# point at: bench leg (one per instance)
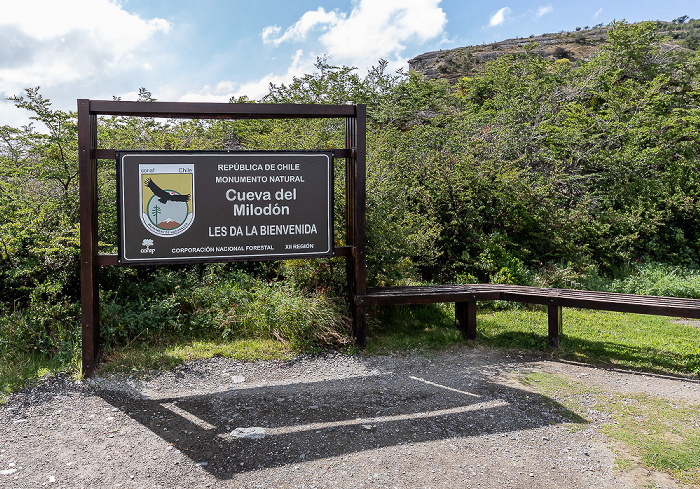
(465, 317)
(555, 326)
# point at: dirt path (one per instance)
(457, 419)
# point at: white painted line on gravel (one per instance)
(188, 416)
(383, 419)
(444, 387)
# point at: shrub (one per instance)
(660, 279)
(219, 300)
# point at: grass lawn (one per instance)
(653, 343)
(649, 343)
(662, 434)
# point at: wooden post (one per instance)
(465, 317)
(360, 231)
(355, 222)
(350, 131)
(554, 325)
(89, 279)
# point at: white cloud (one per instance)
(371, 31)
(500, 17)
(299, 31)
(49, 42)
(600, 11)
(66, 46)
(542, 11)
(269, 32)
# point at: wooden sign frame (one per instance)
(354, 154)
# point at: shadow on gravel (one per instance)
(311, 421)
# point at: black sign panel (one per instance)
(186, 207)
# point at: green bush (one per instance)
(659, 279)
(219, 300)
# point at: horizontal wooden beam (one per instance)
(426, 294)
(106, 260)
(584, 299)
(110, 154)
(207, 110)
(343, 251)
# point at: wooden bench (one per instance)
(466, 296)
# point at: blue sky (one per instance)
(211, 50)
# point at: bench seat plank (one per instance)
(465, 297)
(608, 301)
(427, 294)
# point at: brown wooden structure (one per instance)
(91, 260)
(465, 297)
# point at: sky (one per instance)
(212, 50)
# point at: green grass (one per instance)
(659, 279)
(145, 357)
(634, 341)
(652, 343)
(16, 371)
(411, 328)
(658, 434)
(648, 343)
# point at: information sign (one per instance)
(206, 206)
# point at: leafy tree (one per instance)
(45, 163)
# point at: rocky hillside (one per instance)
(581, 44)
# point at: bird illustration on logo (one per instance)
(163, 196)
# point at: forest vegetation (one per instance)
(533, 170)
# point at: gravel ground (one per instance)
(455, 419)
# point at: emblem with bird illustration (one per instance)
(167, 199)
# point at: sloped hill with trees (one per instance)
(579, 45)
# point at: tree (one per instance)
(46, 161)
(155, 212)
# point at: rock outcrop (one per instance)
(455, 63)
(582, 44)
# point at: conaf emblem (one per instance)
(167, 198)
